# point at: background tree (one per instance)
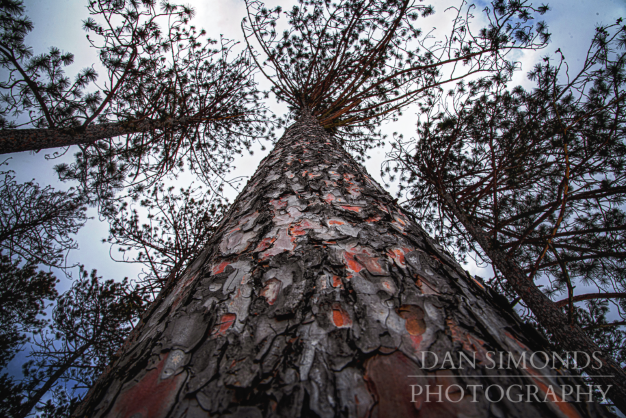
(37, 224)
(538, 177)
(89, 324)
(36, 227)
(168, 95)
(24, 292)
(165, 233)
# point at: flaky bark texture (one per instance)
(316, 298)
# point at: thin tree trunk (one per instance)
(18, 140)
(318, 297)
(34, 400)
(570, 336)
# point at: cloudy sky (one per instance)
(59, 23)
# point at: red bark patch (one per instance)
(351, 262)
(416, 341)
(372, 264)
(470, 343)
(357, 258)
(220, 267)
(297, 231)
(302, 226)
(334, 222)
(264, 244)
(329, 198)
(477, 282)
(278, 203)
(151, 397)
(565, 407)
(387, 285)
(414, 319)
(341, 318)
(225, 322)
(374, 218)
(389, 382)
(271, 290)
(426, 287)
(352, 208)
(337, 282)
(400, 218)
(397, 254)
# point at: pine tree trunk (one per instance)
(318, 297)
(19, 140)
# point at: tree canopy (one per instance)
(354, 63)
(89, 323)
(37, 223)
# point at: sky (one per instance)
(59, 23)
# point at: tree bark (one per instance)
(19, 140)
(570, 336)
(318, 297)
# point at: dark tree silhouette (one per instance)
(37, 224)
(89, 324)
(168, 97)
(535, 178)
(164, 232)
(24, 292)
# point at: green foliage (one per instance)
(89, 324)
(11, 396)
(179, 100)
